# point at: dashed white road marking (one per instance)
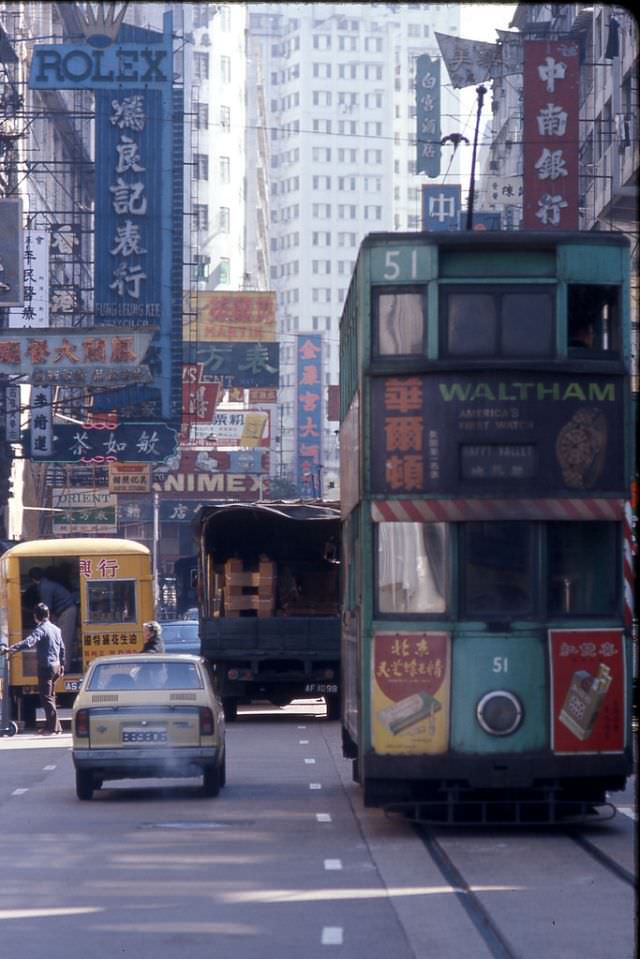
(333, 864)
(331, 936)
(19, 792)
(303, 742)
(301, 727)
(628, 811)
(323, 816)
(310, 762)
(48, 768)
(315, 785)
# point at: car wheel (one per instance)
(211, 781)
(84, 784)
(223, 769)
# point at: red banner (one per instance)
(587, 686)
(550, 135)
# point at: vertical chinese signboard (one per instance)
(138, 180)
(588, 690)
(550, 162)
(428, 115)
(35, 309)
(308, 452)
(410, 693)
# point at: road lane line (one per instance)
(331, 936)
(315, 785)
(333, 864)
(323, 817)
(19, 792)
(48, 768)
(303, 742)
(310, 762)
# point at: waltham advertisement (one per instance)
(546, 433)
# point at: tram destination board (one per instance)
(461, 434)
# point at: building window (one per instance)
(322, 126)
(322, 211)
(321, 154)
(347, 211)
(348, 43)
(321, 182)
(225, 170)
(201, 216)
(200, 166)
(373, 44)
(321, 238)
(322, 41)
(322, 71)
(322, 267)
(321, 294)
(224, 270)
(201, 111)
(321, 98)
(224, 219)
(201, 66)
(225, 117)
(225, 69)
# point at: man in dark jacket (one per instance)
(47, 639)
(152, 634)
(63, 607)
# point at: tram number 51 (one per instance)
(500, 664)
(393, 269)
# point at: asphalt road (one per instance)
(287, 863)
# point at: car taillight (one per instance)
(206, 721)
(82, 722)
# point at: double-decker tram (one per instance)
(486, 445)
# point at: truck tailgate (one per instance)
(243, 636)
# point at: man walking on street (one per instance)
(47, 638)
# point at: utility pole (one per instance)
(481, 92)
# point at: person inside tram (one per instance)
(582, 334)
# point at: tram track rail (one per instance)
(486, 925)
(494, 940)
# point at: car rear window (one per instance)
(145, 675)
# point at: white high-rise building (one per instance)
(340, 91)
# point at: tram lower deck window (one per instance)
(411, 565)
(583, 572)
(497, 569)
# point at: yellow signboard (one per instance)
(410, 695)
(229, 317)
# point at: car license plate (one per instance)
(155, 735)
(321, 688)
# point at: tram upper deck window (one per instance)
(593, 320)
(411, 565)
(399, 322)
(483, 322)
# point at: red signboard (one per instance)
(550, 134)
(587, 686)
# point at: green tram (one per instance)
(486, 462)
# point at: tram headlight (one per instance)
(499, 713)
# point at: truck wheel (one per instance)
(211, 781)
(333, 707)
(230, 709)
(84, 784)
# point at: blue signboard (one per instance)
(236, 364)
(440, 207)
(137, 442)
(428, 115)
(131, 70)
(308, 449)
